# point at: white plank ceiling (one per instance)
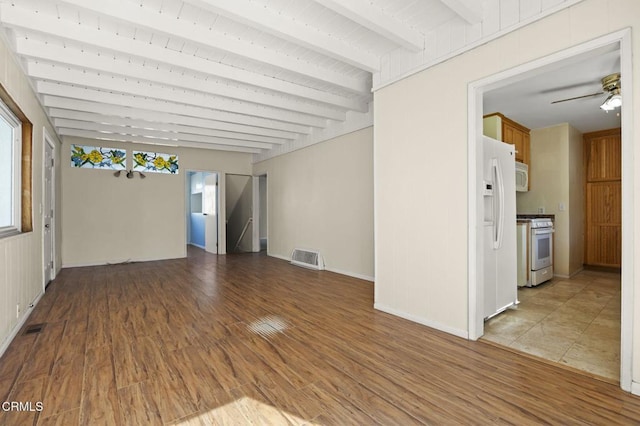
(240, 75)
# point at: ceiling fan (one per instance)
(610, 85)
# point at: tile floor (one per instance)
(573, 321)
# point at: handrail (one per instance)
(244, 231)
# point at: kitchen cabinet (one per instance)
(506, 130)
(603, 221)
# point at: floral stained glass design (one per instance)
(97, 157)
(155, 162)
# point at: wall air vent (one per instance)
(307, 259)
(33, 328)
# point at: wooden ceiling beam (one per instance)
(373, 18)
(140, 17)
(469, 10)
(82, 116)
(132, 102)
(17, 17)
(90, 134)
(171, 137)
(41, 71)
(77, 58)
(277, 24)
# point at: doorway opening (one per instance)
(621, 42)
(263, 213)
(239, 208)
(202, 210)
(48, 208)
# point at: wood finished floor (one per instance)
(169, 342)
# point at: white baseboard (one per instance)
(337, 271)
(451, 330)
(197, 245)
(20, 324)
(277, 256)
(566, 277)
(351, 274)
(635, 388)
(116, 262)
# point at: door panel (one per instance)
(604, 224)
(603, 221)
(48, 214)
(210, 209)
(604, 161)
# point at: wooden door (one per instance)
(603, 227)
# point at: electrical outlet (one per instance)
(18, 310)
(541, 210)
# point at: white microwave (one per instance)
(522, 177)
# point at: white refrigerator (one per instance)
(498, 194)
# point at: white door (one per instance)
(210, 210)
(47, 212)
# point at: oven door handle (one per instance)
(542, 231)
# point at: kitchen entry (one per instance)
(612, 288)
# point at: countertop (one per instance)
(525, 218)
(535, 216)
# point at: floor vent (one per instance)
(268, 326)
(308, 259)
(33, 328)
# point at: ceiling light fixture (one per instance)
(130, 174)
(613, 101)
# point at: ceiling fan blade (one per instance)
(577, 97)
(594, 85)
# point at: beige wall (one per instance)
(321, 197)
(492, 127)
(556, 153)
(421, 164)
(108, 219)
(21, 264)
(576, 207)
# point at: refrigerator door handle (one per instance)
(499, 219)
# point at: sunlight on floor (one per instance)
(268, 326)
(244, 410)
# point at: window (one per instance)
(15, 168)
(10, 182)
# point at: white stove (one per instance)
(540, 244)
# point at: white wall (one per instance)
(421, 165)
(21, 264)
(109, 220)
(321, 197)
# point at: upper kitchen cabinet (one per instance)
(603, 155)
(504, 129)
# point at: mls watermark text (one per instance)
(22, 406)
